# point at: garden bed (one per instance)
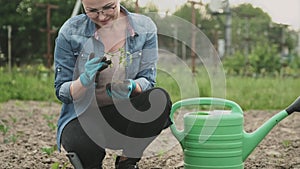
(28, 130)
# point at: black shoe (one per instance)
(129, 163)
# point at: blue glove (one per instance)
(121, 90)
(92, 66)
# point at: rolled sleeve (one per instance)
(144, 84)
(64, 93)
(146, 79)
(64, 60)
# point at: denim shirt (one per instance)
(141, 57)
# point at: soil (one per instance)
(28, 130)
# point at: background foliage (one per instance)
(249, 26)
(27, 19)
(261, 93)
(257, 63)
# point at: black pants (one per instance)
(75, 139)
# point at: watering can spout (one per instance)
(251, 140)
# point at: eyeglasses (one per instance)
(106, 10)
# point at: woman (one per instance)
(121, 71)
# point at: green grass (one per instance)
(22, 84)
(264, 93)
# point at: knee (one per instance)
(163, 92)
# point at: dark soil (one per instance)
(28, 130)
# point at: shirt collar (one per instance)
(131, 29)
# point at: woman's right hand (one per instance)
(92, 66)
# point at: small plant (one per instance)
(48, 150)
(13, 138)
(161, 153)
(20, 104)
(123, 54)
(52, 126)
(286, 143)
(3, 129)
(14, 119)
(30, 113)
(57, 164)
(49, 119)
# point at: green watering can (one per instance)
(216, 139)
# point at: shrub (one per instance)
(264, 59)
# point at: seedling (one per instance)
(286, 143)
(52, 126)
(3, 129)
(57, 164)
(13, 138)
(161, 153)
(14, 119)
(49, 150)
(19, 104)
(49, 119)
(122, 58)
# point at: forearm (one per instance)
(77, 89)
(137, 90)
(145, 82)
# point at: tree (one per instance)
(131, 6)
(252, 26)
(185, 12)
(27, 20)
(249, 25)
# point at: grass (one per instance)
(264, 93)
(26, 85)
(49, 150)
(3, 128)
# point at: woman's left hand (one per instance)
(122, 90)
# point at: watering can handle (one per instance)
(294, 107)
(235, 108)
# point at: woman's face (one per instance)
(102, 12)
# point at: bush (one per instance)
(264, 60)
(235, 64)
